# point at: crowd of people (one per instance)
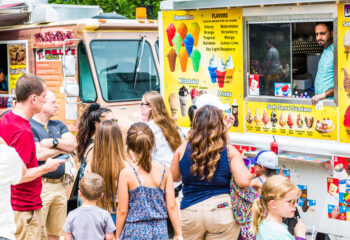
(136, 186)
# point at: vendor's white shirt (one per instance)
(10, 173)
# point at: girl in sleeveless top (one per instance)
(145, 192)
(108, 161)
(88, 123)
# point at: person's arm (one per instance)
(171, 205)
(123, 204)
(68, 236)
(49, 166)
(66, 143)
(109, 236)
(175, 163)
(43, 153)
(239, 170)
(329, 93)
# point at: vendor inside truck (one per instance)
(305, 58)
(3, 81)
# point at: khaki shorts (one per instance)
(205, 220)
(28, 224)
(54, 209)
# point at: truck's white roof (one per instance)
(109, 23)
(198, 4)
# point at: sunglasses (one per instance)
(144, 104)
(293, 202)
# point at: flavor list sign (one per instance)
(17, 53)
(291, 120)
(49, 67)
(203, 52)
(344, 72)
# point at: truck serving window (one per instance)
(283, 60)
(86, 83)
(125, 68)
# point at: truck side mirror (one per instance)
(68, 66)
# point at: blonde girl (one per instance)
(279, 197)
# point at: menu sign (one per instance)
(344, 72)
(49, 67)
(203, 54)
(17, 53)
(291, 120)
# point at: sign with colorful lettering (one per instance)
(203, 52)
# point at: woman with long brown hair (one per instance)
(146, 192)
(108, 161)
(202, 163)
(92, 116)
(167, 137)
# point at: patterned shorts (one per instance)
(145, 230)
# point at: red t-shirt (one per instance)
(17, 133)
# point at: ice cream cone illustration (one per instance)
(299, 121)
(182, 30)
(174, 104)
(195, 58)
(172, 59)
(194, 30)
(346, 80)
(257, 119)
(213, 65)
(183, 95)
(189, 44)
(346, 42)
(230, 69)
(265, 119)
(177, 41)
(221, 73)
(170, 31)
(347, 120)
(282, 121)
(249, 117)
(290, 121)
(273, 118)
(183, 57)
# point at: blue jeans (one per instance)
(2, 238)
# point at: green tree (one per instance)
(123, 7)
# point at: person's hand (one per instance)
(47, 142)
(52, 164)
(315, 99)
(300, 229)
(229, 120)
(178, 237)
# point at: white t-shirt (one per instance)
(10, 173)
(162, 152)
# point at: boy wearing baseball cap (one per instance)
(265, 165)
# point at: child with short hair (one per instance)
(89, 221)
(278, 200)
(265, 165)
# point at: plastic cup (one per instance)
(274, 147)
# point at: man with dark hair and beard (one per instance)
(324, 81)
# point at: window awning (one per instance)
(13, 14)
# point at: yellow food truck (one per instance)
(109, 61)
(262, 59)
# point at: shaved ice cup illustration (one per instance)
(195, 30)
(177, 42)
(183, 57)
(170, 31)
(172, 59)
(182, 30)
(195, 58)
(189, 44)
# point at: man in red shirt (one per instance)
(15, 130)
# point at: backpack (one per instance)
(242, 202)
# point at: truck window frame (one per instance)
(246, 53)
(80, 82)
(97, 75)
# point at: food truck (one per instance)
(109, 61)
(261, 58)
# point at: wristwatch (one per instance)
(54, 142)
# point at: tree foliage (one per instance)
(123, 7)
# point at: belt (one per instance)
(51, 180)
